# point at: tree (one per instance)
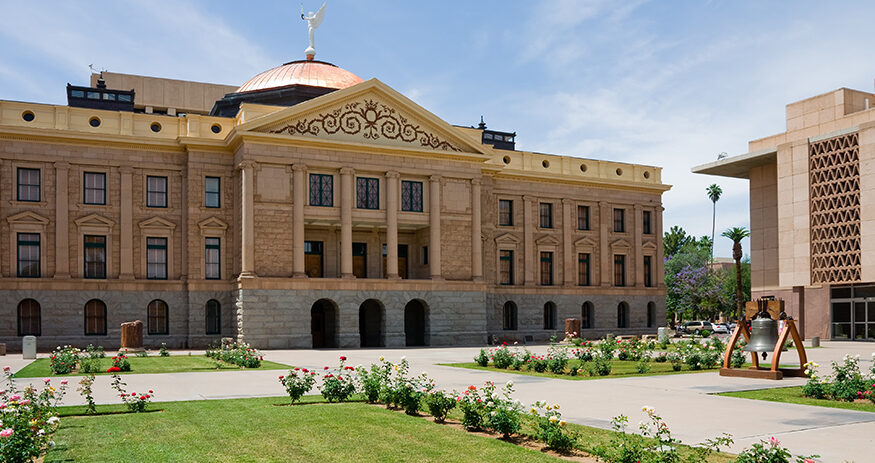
(714, 192)
(674, 240)
(736, 234)
(692, 291)
(727, 283)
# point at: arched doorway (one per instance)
(509, 316)
(415, 321)
(371, 323)
(323, 319)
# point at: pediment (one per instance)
(369, 113)
(621, 243)
(547, 240)
(27, 218)
(212, 223)
(649, 245)
(585, 242)
(507, 238)
(157, 222)
(94, 220)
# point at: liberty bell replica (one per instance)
(763, 332)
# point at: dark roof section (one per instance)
(100, 97)
(289, 95)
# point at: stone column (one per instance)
(568, 257)
(126, 227)
(248, 234)
(434, 224)
(392, 199)
(528, 241)
(62, 221)
(605, 226)
(637, 274)
(300, 199)
(347, 197)
(658, 266)
(476, 240)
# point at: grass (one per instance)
(793, 395)
(174, 364)
(260, 430)
(619, 369)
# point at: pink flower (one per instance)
(6, 432)
(24, 402)
(14, 397)
(774, 442)
(5, 368)
(3, 405)
(47, 380)
(63, 382)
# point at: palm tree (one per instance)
(714, 193)
(736, 234)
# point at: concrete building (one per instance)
(308, 208)
(812, 213)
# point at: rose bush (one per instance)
(29, 419)
(298, 382)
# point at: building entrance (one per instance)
(853, 313)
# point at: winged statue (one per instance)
(313, 21)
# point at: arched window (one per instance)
(587, 320)
(157, 313)
(95, 318)
(213, 317)
(623, 315)
(651, 314)
(550, 316)
(509, 316)
(29, 318)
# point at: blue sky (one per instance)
(665, 83)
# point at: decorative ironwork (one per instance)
(834, 173)
(411, 196)
(372, 120)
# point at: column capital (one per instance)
(299, 167)
(247, 164)
(476, 181)
(529, 198)
(636, 207)
(392, 174)
(62, 165)
(347, 171)
(126, 170)
(568, 201)
(603, 204)
(435, 178)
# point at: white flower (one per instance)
(553, 419)
(509, 383)
(53, 420)
(403, 358)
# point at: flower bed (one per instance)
(29, 419)
(847, 382)
(237, 353)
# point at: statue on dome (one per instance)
(313, 21)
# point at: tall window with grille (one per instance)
(648, 271)
(29, 321)
(546, 268)
(212, 258)
(95, 318)
(622, 315)
(586, 316)
(619, 270)
(505, 212)
(619, 220)
(546, 211)
(321, 190)
(94, 188)
(509, 319)
(156, 191)
(367, 193)
(647, 223)
(213, 317)
(213, 192)
(156, 258)
(550, 316)
(584, 272)
(28, 255)
(95, 256)
(583, 217)
(158, 317)
(505, 267)
(411, 196)
(28, 185)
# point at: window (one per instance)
(586, 316)
(94, 191)
(212, 254)
(619, 220)
(623, 315)
(505, 212)
(28, 255)
(505, 267)
(646, 225)
(648, 271)
(313, 259)
(583, 217)
(95, 256)
(367, 193)
(549, 316)
(212, 192)
(213, 317)
(321, 190)
(509, 319)
(546, 268)
(156, 258)
(651, 314)
(411, 196)
(29, 318)
(156, 191)
(619, 270)
(546, 215)
(425, 255)
(583, 269)
(28, 184)
(157, 317)
(95, 318)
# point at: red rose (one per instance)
(342, 358)
(150, 391)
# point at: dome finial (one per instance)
(313, 21)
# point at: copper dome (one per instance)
(312, 73)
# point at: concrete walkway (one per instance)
(684, 401)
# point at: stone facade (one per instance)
(428, 235)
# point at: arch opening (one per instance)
(371, 323)
(416, 323)
(323, 323)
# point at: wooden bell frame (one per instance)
(775, 309)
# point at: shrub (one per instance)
(557, 359)
(551, 429)
(298, 382)
(63, 360)
(469, 402)
(737, 359)
(661, 358)
(482, 359)
(142, 354)
(29, 419)
(643, 366)
(502, 358)
(338, 385)
(847, 379)
(501, 412)
(676, 361)
(371, 379)
(439, 404)
(694, 360)
(237, 353)
(89, 365)
(704, 333)
(770, 451)
(163, 350)
(519, 360)
(585, 355)
(95, 352)
(538, 363)
(136, 402)
(85, 390)
(600, 366)
(121, 362)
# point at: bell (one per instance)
(763, 335)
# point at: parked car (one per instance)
(720, 328)
(695, 327)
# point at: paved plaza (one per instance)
(686, 401)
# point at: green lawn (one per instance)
(619, 369)
(793, 395)
(173, 364)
